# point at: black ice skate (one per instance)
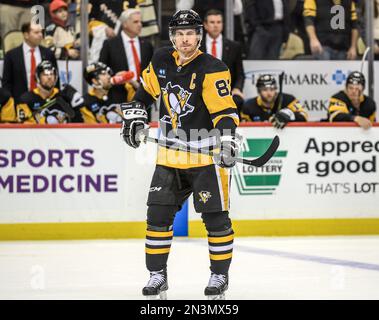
(217, 285)
(157, 286)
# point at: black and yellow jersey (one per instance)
(100, 108)
(342, 109)
(318, 14)
(7, 108)
(194, 97)
(60, 107)
(255, 110)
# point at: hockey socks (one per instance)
(157, 247)
(220, 246)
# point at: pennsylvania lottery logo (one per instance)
(259, 180)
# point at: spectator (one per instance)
(47, 104)
(127, 51)
(20, 63)
(351, 104)
(268, 24)
(109, 13)
(230, 52)
(99, 106)
(298, 27)
(376, 25)
(60, 35)
(326, 41)
(7, 110)
(203, 6)
(14, 13)
(271, 106)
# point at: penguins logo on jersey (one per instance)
(53, 116)
(176, 100)
(204, 196)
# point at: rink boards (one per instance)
(83, 182)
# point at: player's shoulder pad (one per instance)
(341, 95)
(212, 64)
(370, 102)
(249, 104)
(288, 98)
(162, 54)
(27, 97)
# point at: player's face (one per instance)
(268, 95)
(354, 91)
(48, 79)
(186, 41)
(133, 25)
(62, 14)
(214, 25)
(105, 79)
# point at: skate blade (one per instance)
(161, 296)
(217, 297)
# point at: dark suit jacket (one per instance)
(14, 73)
(259, 13)
(232, 57)
(114, 56)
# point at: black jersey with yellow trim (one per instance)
(194, 96)
(33, 108)
(254, 109)
(342, 109)
(100, 108)
(7, 107)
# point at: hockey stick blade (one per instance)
(263, 159)
(258, 162)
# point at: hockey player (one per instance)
(351, 104)
(270, 105)
(7, 109)
(99, 105)
(195, 94)
(47, 104)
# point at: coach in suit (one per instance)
(127, 51)
(20, 63)
(230, 52)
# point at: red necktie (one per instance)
(136, 59)
(32, 70)
(214, 49)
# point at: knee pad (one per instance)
(216, 222)
(160, 218)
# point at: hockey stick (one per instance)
(364, 58)
(280, 96)
(258, 162)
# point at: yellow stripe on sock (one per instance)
(159, 234)
(221, 239)
(157, 251)
(221, 256)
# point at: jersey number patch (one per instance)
(222, 88)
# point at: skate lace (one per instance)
(156, 279)
(216, 280)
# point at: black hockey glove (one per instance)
(73, 97)
(282, 117)
(134, 120)
(229, 150)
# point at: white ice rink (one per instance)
(262, 268)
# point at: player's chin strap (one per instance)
(258, 162)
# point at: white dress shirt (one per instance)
(27, 56)
(278, 8)
(129, 53)
(209, 43)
